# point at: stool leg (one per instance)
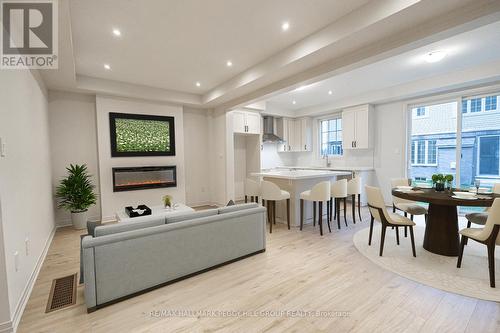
(397, 235)
(288, 213)
(353, 202)
(301, 213)
(246, 199)
(257, 199)
(314, 213)
(359, 207)
(328, 211)
(327, 220)
(320, 217)
(331, 208)
(337, 209)
(345, 218)
(274, 211)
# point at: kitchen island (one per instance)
(297, 181)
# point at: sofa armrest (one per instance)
(89, 274)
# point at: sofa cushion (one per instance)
(235, 208)
(127, 226)
(192, 216)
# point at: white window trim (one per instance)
(320, 132)
(426, 154)
(479, 157)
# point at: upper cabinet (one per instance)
(246, 122)
(296, 134)
(357, 123)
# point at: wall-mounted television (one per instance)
(141, 135)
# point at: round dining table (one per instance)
(441, 230)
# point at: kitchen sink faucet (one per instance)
(328, 164)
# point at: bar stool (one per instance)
(338, 193)
(353, 189)
(271, 193)
(319, 193)
(252, 190)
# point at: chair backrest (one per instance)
(493, 219)
(376, 200)
(252, 187)
(321, 191)
(269, 190)
(399, 182)
(354, 186)
(339, 189)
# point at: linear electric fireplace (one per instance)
(141, 178)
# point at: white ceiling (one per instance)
(465, 50)
(172, 44)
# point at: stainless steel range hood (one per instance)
(269, 133)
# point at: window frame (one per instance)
(478, 170)
(417, 116)
(336, 117)
(415, 145)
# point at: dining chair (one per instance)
(270, 193)
(406, 206)
(354, 189)
(338, 194)
(252, 190)
(318, 194)
(489, 236)
(481, 217)
(378, 212)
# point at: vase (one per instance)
(79, 219)
(439, 187)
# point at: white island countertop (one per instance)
(331, 168)
(295, 174)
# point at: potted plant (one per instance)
(76, 194)
(167, 201)
(449, 180)
(439, 181)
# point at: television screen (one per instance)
(141, 135)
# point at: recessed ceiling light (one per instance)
(229, 63)
(106, 66)
(285, 26)
(435, 56)
(198, 84)
(117, 32)
(294, 102)
(330, 92)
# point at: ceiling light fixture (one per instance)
(107, 67)
(198, 84)
(117, 32)
(229, 63)
(285, 26)
(330, 92)
(435, 56)
(294, 102)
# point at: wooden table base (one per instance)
(441, 231)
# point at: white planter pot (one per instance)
(79, 219)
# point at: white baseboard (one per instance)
(6, 327)
(31, 282)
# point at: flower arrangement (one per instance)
(167, 201)
(439, 180)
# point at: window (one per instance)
(489, 155)
(419, 112)
(424, 152)
(331, 136)
(475, 105)
(464, 106)
(490, 103)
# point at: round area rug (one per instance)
(441, 272)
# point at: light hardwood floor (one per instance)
(299, 271)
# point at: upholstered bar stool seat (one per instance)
(318, 194)
(252, 190)
(270, 193)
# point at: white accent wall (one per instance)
(112, 202)
(25, 185)
(73, 140)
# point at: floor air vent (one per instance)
(62, 293)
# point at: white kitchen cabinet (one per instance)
(296, 134)
(246, 122)
(357, 126)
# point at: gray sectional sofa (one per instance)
(125, 259)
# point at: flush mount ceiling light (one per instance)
(294, 102)
(117, 32)
(330, 92)
(198, 84)
(285, 26)
(107, 67)
(229, 63)
(435, 56)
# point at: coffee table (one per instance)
(156, 212)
